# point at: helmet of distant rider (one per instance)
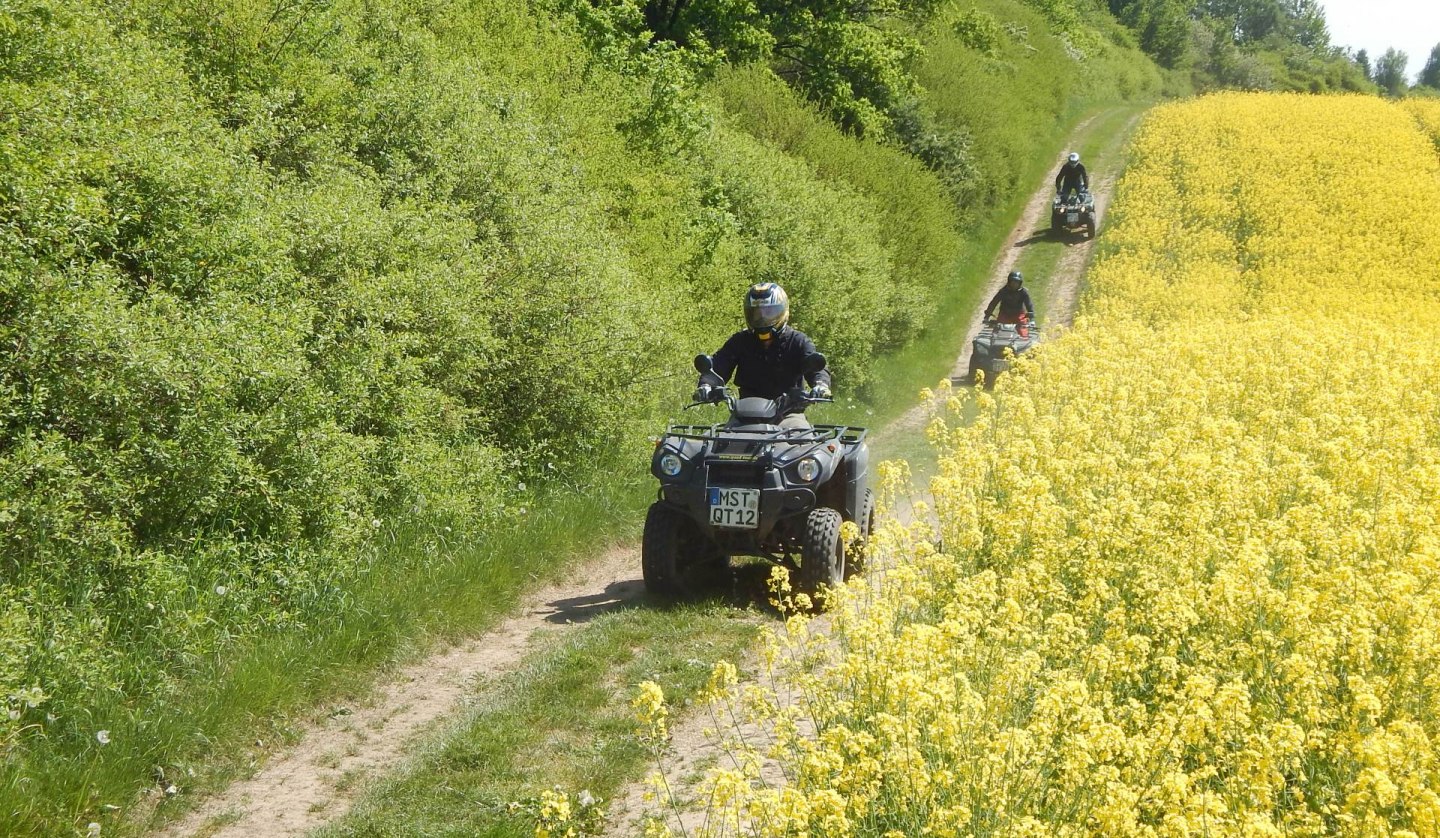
(1074, 158)
(1016, 278)
(767, 309)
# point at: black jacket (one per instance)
(1072, 177)
(766, 368)
(1011, 302)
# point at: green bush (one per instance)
(284, 283)
(1037, 72)
(978, 30)
(914, 221)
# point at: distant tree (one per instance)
(1362, 60)
(1430, 75)
(1390, 73)
(1307, 24)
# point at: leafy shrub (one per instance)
(978, 30)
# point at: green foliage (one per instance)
(913, 221)
(978, 30)
(1037, 73)
(849, 58)
(1430, 73)
(1390, 73)
(1163, 27)
(1246, 44)
(280, 280)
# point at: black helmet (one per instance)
(1016, 277)
(767, 309)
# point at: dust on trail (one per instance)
(317, 780)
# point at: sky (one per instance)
(1411, 26)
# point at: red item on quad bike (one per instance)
(1021, 319)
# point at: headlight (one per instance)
(670, 465)
(808, 469)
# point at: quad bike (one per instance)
(750, 487)
(996, 345)
(1075, 211)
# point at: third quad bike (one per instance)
(1073, 212)
(750, 487)
(988, 352)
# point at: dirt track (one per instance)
(316, 781)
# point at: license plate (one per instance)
(735, 508)
(1072, 217)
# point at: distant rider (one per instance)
(1072, 177)
(767, 357)
(1013, 302)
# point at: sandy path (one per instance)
(317, 780)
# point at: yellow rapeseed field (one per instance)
(1182, 575)
(1427, 113)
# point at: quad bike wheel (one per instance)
(990, 376)
(1090, 228)
(676, 558)
(822, 555)
(855, 559)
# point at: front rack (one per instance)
(807, 438)
(793, 436)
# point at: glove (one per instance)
(820, 391)
(704, 393)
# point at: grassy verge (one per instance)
(563, 719)
(201, 735)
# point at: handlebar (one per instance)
(724, 396)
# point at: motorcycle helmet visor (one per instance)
(765, 316)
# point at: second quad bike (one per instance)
(750, 487)
(1073, 212)
(996, 345)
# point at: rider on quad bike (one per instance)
(766, 483)
(1072, 177)
(1013, 302)
(767, 358)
